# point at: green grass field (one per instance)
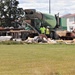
(37, 59)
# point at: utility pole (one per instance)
(49, 6)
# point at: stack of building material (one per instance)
(61, 33)
(5, 38)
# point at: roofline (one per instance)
(68, 15)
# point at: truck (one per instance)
(57, 31)
(36, 19)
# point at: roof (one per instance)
(68, 15)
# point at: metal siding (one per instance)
(63, 23)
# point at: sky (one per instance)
(57, 6)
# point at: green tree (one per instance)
(9, 11)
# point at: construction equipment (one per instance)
(36, 19)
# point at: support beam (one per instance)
(49, 6)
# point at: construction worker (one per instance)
(47, 31)
(42, 30)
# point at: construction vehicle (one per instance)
(36, 19)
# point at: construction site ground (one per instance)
(51, 41)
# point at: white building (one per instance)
(70, 18)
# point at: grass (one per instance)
(37, 59)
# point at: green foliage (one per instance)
(9, 12)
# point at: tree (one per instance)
(9, 12)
